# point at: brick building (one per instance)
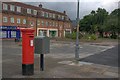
(20, 15)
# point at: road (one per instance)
(108, 57)
(12, 63)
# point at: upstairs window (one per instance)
(5, 19)
(53, 15)
(43, 13)
(5, 7)
(29, 11)
(38, 22)
(12, 20)
(62, 17)
(42, 23)
(59, 16)
(50, 15)
(24, 21)
(56, 24)
(18, 20)
(46, 23)
(46, 14)
(18, 9)
(12, 8)
(35, 12)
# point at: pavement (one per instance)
(60, 63)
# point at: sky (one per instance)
(70, 6)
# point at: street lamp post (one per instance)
(77, 37)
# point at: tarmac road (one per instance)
(108, 57)
(12, 63)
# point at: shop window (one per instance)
(18, 9)
(4, 34)
(18, 21)
(5, 19)
(12, 8)
(5, 7)
(24, 21)
(29, 11)
(13, 34)
(42, 33)
(12, 20)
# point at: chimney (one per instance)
(64, 12)
(40, 5)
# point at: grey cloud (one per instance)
(71, 7)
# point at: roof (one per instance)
(33, 7)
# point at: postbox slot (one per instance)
(31, 36)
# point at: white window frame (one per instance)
(18, 9)
(42, 23)
(50, 15)
(24, 21)
(62, 17)
(35, 12)
(5, 19)
(18, 20)
(12, 8)
(53, 15)
(12, 20)
(28, 11)
(47, 23)
(5, 6)
(43, 13)
(38, 22)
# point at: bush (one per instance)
(73, 35)
(90, 37)
(113, 36)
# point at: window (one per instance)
(46, 14)
(29, 11)
(35, 12)
(31, 23)
(50, 23)
(24, 21)
(5, 7)
(38, 22)
(42, 23)
(59, 17)
(18, 21)
(43, 13)
(56, 24)
(46, 23)
(5, 19)
(53, 15)
(12, 7)
(53, 23)
(18, 9)
(12, 20)
(50, 15)
(62, 17)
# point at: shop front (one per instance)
(9, 32)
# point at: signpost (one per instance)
(77, 37)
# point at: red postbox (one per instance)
(27, 51)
